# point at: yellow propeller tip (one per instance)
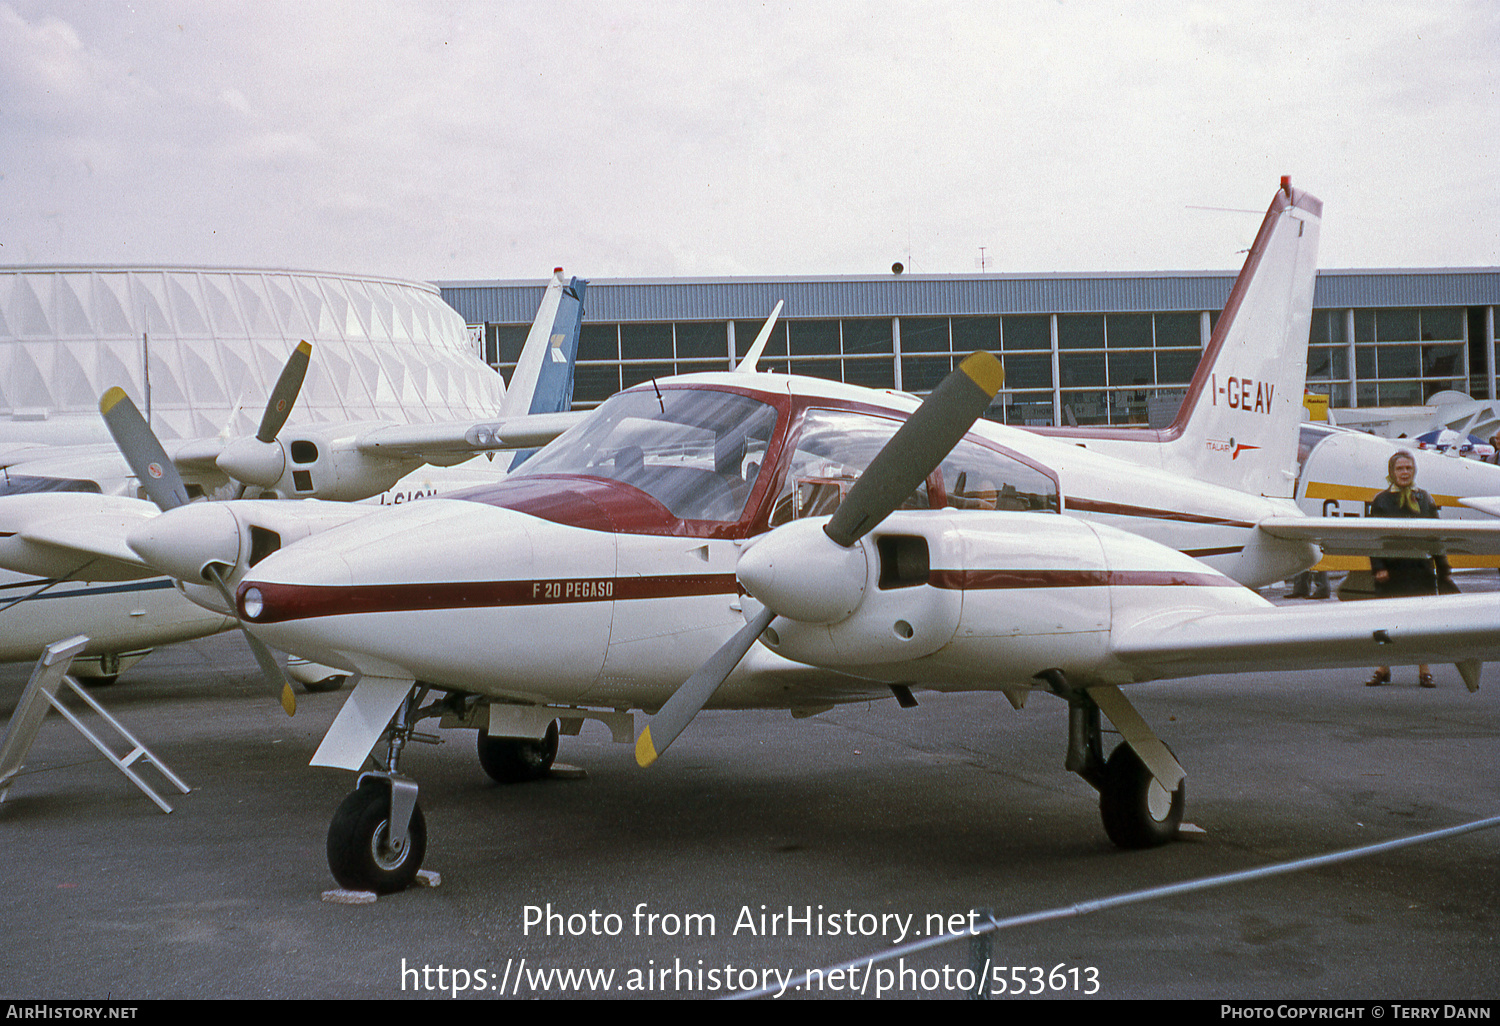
(111, 399)
(304, 347)
(288, 700)
(645, 751)
(984, 370)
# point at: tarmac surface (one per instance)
(863, 822)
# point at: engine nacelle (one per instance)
(232, 535)
(325, 465)
(980, 599)
(872, 603)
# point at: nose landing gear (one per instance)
(378, 836)
(361, 850)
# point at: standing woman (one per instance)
(1395, 577)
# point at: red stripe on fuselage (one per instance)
(299, 602)
(1000, 580)
(1075, 504)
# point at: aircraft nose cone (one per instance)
(800, 573)
(252, 461)
(182, 541)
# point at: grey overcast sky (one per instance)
(654, 138)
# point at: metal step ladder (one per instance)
(41, 694)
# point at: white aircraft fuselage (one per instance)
(588, 579)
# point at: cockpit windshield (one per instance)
(698, 452)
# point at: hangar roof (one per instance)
(915, 295)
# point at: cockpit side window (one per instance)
(975, 476)
(1308, 437)
(835, 446)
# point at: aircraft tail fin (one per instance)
(1238, 423)
(543, 379)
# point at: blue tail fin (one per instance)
(543, 378)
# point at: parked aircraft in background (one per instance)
(376, 462)
(1341, 470)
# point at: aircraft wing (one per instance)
(352, 461)
(1389, 537)
(1397, 631)
(440, 443)
(196, 455)
(66, 534)
(1489, 504)
(466, 439)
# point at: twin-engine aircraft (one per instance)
(747, 540)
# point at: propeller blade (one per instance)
(157, 474)
(142, 450)
(284, 395)
(280, 686)
(920, 445)
(673, 717)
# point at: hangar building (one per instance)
(201, 348)
(1081, 348)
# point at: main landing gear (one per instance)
(516, 760)
(1141, 787)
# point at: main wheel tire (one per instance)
(359, 850)
(1138, 812)
(332, 683)
(515, 760)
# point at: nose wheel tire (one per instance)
(360, 852)
(515, 760)
(1138, 811)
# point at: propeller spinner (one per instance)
(261, 460)
(819, 571)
